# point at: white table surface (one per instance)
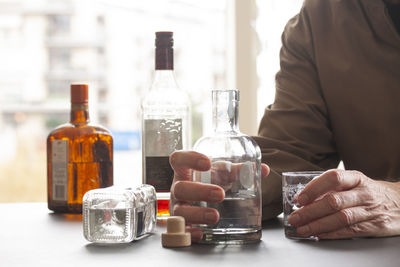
(31, 235)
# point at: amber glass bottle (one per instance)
(79, 157)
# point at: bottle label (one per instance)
(140, 224)
(159, 173)
(161, 138)
(59, 168)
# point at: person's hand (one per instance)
(345, 204)
(184, 191)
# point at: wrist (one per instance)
(395, 189)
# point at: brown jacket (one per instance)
(337, 95)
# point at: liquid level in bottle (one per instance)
(240, 221)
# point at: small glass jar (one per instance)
(236, 167)
(116, 215)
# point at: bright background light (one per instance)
(47, 44)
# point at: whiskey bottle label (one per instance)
(159, 173)
(59, 168)
(161, 138)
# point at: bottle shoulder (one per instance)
(73, 131)
(166, 97)
(61, 129)
(225, 138)
(228, 145)
(99, 129)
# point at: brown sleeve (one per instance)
(294, 132)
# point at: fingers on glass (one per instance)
(332, 180)
(197, 215)
(345, 218)
(190, 191)
(189, 159)
(330, 203)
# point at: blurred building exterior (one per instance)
(45, 45)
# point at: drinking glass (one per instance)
(292, 184)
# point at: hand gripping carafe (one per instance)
(236, 167)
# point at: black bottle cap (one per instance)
(164, 40)
(164, 51)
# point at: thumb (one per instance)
(264, 170)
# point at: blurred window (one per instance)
(59, 58)
(59, 25)
(272, 18)
(46, 45)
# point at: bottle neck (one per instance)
(225, 110)
(164, 58)
(164, 79)
(79, 114)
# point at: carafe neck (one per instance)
(225, 110)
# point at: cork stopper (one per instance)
(175, 235)
(79, 93)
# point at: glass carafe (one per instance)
(236, 167)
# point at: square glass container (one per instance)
(118, 215)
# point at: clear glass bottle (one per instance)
(165, 123)
(236, 167)
(79, 157)
(116, 215)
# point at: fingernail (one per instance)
(304, 230)
(215, 195)
(303, 199)
(210, 217)
(202, 163)
(294, 219)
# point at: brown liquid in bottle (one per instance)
(79, 157)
